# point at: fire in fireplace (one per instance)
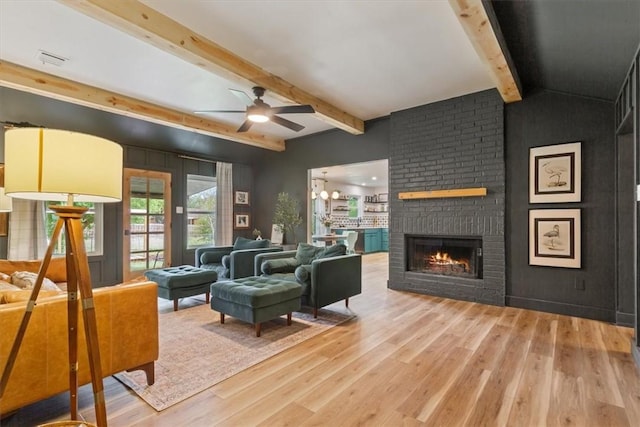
(448, 256)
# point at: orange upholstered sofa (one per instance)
(127, 317)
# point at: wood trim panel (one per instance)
(150, 26)
(30, 80)
(438, 194)
(476, 23)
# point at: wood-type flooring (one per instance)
(409, 360)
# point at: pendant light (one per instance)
(324, 194)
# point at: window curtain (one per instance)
(224, 204)
(27, 235)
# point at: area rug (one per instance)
(197, 352)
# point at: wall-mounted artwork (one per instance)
(242, 221)
(242, 198)
(555, 173)
(554, 237)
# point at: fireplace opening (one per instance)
(446, 256)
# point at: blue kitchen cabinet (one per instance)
(384, 241)
(372, 240)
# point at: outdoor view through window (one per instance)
(91, 228)
(201, 210)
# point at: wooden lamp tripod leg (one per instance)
(80, 263)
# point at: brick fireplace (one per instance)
(452, 144)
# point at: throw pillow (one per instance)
(5, 277)
(331, 251)
(26, 280)
(210, 258)
(306, 252)
(303, 274)
(226, 261)
(4, 285)
(244, 243)
(280, 265)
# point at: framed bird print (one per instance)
(555, 173)
(554, 237)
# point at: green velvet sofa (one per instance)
(327, 275)
(233, 262)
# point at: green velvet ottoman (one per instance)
(255, 299)
(181, 282)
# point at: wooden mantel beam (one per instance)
(30, 80)
(150, 26)
(476, 23)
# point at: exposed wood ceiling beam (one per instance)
(476, 23)
(148, 25)
(27, 79)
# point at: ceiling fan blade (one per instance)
(245, 126)
(246, 99)
(218, 111)
(287, 123)
(292, 109)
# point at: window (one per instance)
(92, 228)
(201, 210)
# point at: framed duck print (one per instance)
(555, 173)
(554, 237)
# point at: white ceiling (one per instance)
(366, 174)
(369, 58)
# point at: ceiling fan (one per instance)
(259, 111)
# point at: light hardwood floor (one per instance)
(410, 359)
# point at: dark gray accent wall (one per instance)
(452, 144)
(146, 146)
(548, 118)
(287, 171)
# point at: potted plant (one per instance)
(287, 216)
(257, 234)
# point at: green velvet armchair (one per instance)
(233, 262)
(327, 275)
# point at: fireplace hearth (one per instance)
(444, 255)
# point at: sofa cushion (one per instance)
(306, 253)
(26, 280)
(223, 272)
(244, 243)
(7, 296)
(331, 251)
(279, 265)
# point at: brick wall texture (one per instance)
(457, 143)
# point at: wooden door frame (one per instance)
(128, 173)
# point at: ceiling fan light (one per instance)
(324, 194)
(258, 118)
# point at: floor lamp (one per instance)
(57, 165)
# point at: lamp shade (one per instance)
(6, 204)
(49, 164)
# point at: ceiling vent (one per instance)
(51, 58)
